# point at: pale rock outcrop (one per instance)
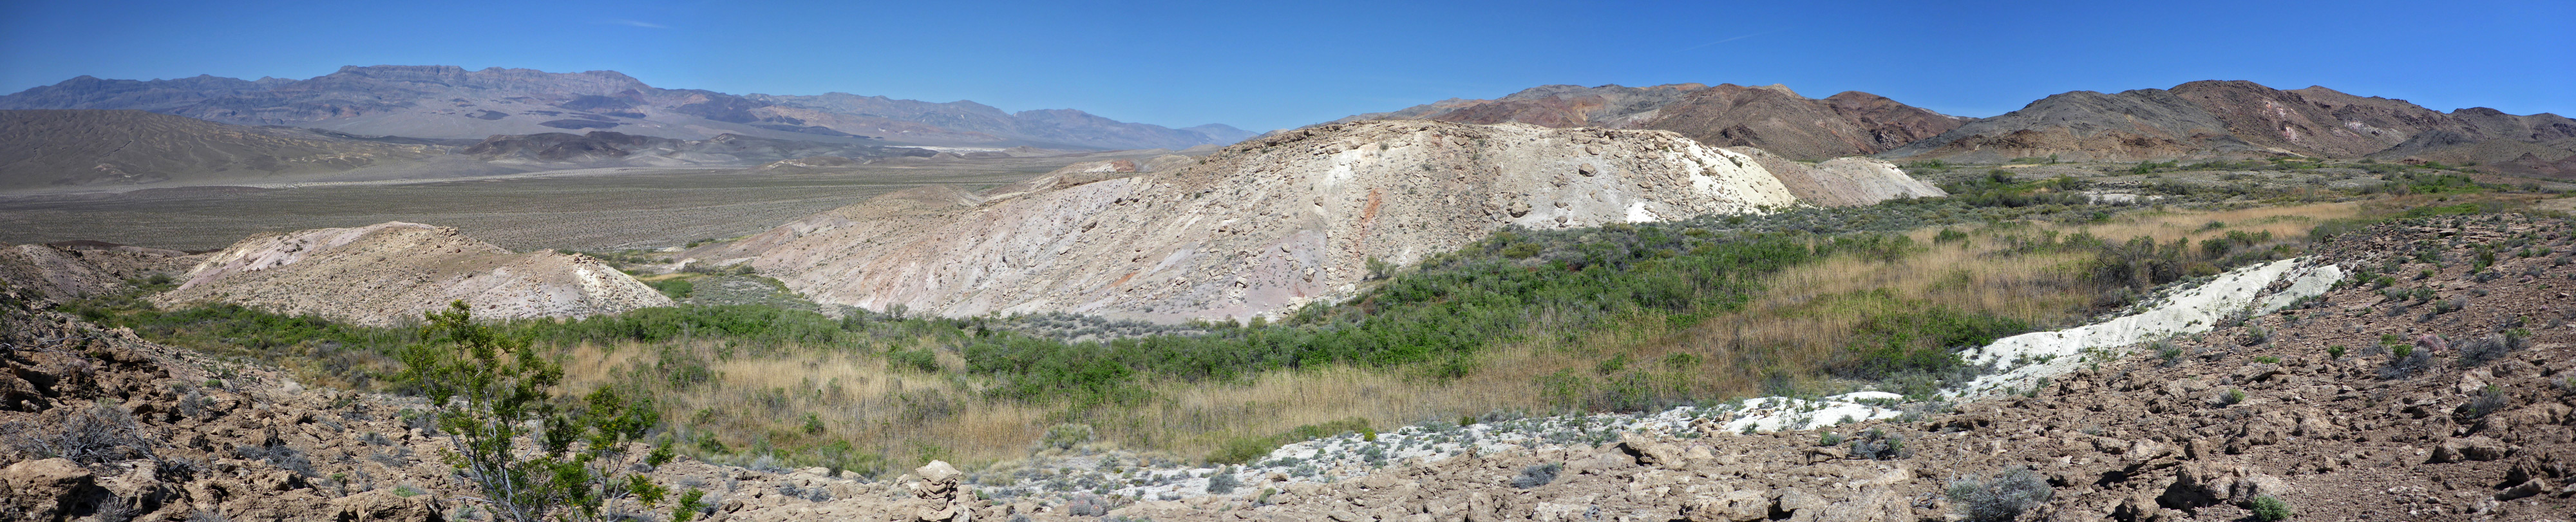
(1842, 182)
(1264, 226)
(381, 274)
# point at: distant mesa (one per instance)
(447, 102)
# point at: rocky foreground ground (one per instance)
(2438, 383)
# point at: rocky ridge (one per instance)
(2207, 119)
(1771, 118)
(1264, 226)
(392, 272)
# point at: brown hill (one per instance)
(1772, 118)
(2208, 119)
(47, 148)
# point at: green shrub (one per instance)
(915, 360)
(486, 389)
(674, 288)
(2268, 508)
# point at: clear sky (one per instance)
(1266, 65)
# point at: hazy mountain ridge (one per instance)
(440, 101)
(614, 146)
(1066, 126)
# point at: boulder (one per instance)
(50, 489)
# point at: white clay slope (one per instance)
(1260, 228)
(386, 273)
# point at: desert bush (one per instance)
(1537, 475)
(1086, 505)
(2405, 361)
(91, 435)
(2489, 400)
(487, 389)
(1877, 444)
(2269, 508)
(2001, 497)
(1223, 481)
(280, 455)
(1067, 436)
(916, 360)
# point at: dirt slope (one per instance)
(386, 273)
(1842, 182)
(1263, 226)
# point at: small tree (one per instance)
(486, 390)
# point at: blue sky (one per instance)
(1265, 65)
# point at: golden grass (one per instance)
(1795, 327)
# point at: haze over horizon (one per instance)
(1260, 68)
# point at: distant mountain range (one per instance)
(2244, 119)
(43, 149)
(2197, 120)
(438, 101)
